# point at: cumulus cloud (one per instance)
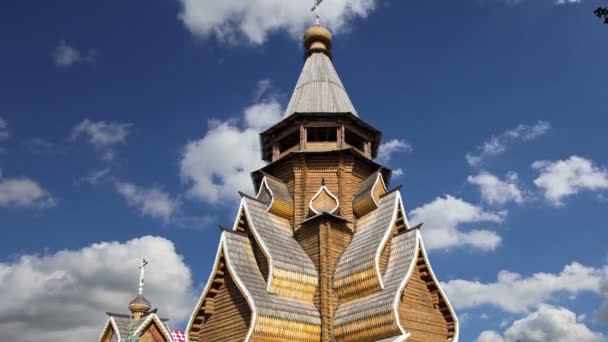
(212, 179)
(232, 21)
(444, 217)
(391, 147)
(65, 55)
(63, 296)
(547, 323)
(152, 202)
(495, 190)
(515, 293)
(562, 178)
(24, 193)
(602, 313)
(498, 144)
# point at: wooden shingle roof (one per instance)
(319, 89)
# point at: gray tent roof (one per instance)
(319, 89)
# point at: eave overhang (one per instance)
(258, 175)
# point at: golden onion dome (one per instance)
(139, 305)
(317, 39)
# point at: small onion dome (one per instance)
(139, 305)
(317, 39)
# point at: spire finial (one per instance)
(315, 9)
(140, 305)
(142, 270)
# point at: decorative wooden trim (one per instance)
(112, 324)
(321, 190)
(197, 308)
(440, 290)
(159, 323)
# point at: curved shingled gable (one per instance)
(375, 317)
(368, 194)
(291, 272)
(272, 316)
(275, 194)
(358, 271)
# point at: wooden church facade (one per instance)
(324, 250)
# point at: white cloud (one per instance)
(565, 2)
(263, 115)
(495, 190)
(24, 193)
(563, 178)
(497, 145)
(261, 89)
(65, 55)
(234, 20)
(95, 177)
(103, 135)
(489, 336)
(443, 218)
(152, 202)
(64, 296)
(602, 313)
(547, 323)
(213, 179)
(513, 292)
(391, 147)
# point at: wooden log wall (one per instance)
(324, 241)
(152, 333)
(333, 239)
(107, 337)
(230, 318)
(422, 310)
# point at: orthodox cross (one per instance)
(315, 9)
(142, 269)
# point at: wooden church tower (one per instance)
(323, 251)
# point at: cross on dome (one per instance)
(315, 9)
(142, 270)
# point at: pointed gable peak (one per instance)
(319, 89)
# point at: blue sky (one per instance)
(111, 116)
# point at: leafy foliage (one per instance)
(602, 12)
